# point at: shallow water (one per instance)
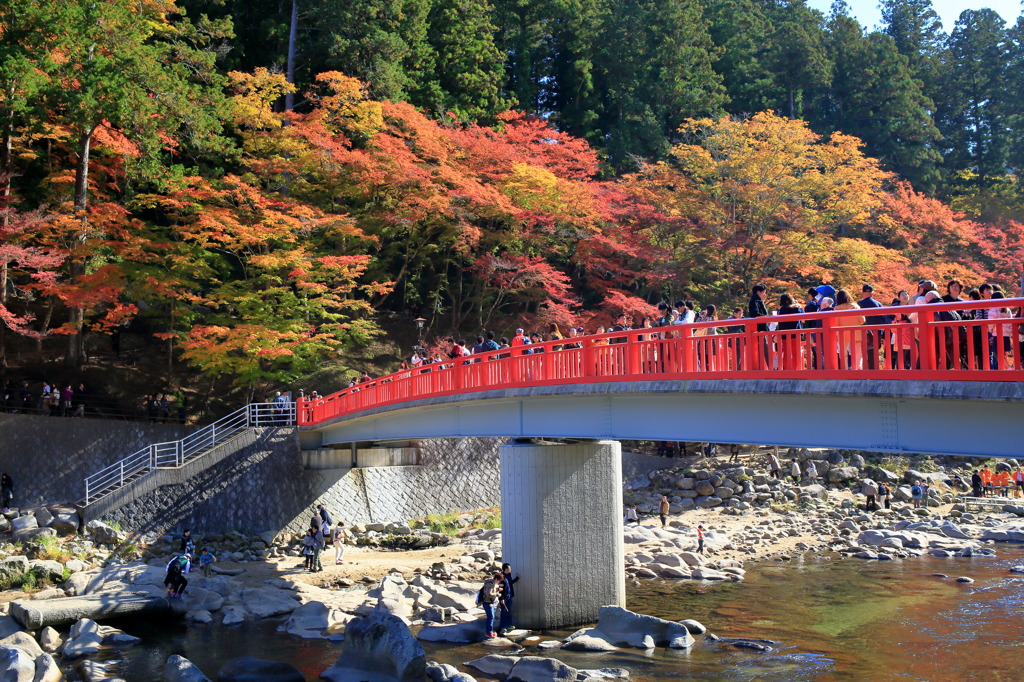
(834, 619)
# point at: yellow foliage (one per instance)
(255, 94)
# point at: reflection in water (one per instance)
(833, 619)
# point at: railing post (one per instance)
(589, 367)
(686, 354)
(122, 473)
(828, 344)
(87, 491)
(633, 365)
(152, 457)
(926, 339)
(179, 453)
(753, 353)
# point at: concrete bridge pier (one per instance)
(561, 513)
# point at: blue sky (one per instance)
(867, 12)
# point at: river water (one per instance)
(833, 619)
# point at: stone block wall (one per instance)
(49, 457)
(454, 474)
(263, 486)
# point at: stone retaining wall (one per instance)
(49, 457)
(264, 486)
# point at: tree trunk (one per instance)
(76, 342)
(289, 99)
(6, 167)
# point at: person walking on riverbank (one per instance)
(916, 494)
(508, 593)
(663, 509)
(307, 549)
(486, 598)
(795, 471)
(885, 495)
(339, 542)
(318, 546)
(774, 468)
(1018, 479)
(700, 539)
(870, 491)
(977, 484)
(187, 545)
(812, 471)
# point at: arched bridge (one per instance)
(925, 382)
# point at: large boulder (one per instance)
(621, 627)
(43, 517)
(16, 665)
(309, 620)
(494, 665)
(251, 669)
(180, 669)
(65, 522)
(267, 602)
(537, 669)
(381, 644)
(12, 568)
(1008, 532)
(843, 474)
(102, 533)
(84, 639)
(705, 488)
(47, 568)
(47, 670)
(23, 523)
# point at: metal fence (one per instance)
(174, 454)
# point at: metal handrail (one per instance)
(174, 454)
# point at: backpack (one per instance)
(178, 566)
(915, 490)
(488, 594)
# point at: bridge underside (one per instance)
(943, 418)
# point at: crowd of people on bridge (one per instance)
(896, 347)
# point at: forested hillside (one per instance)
(255, 182)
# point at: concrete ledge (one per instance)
(33, 615)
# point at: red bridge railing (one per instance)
(831, 345)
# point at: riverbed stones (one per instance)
(456, 633)
(842, 474)
(16, 665)
(264, 603)
(84, 639)
(251, 669)
(494, 665)
(382, 644)
(12, 568)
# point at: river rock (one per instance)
(180, 669)
(621, 627)
(233, 615)
(23, 641)
(102, 533)
(250, 669)
(704, 488)
(456, 633)
(308, 621)
(84, 639)
(12, 568)
(589, 643)
(198, 599)
(16, 665)
(537, 669)
(964, 579)
(65, 522)
(1008, 532)
(264, 603)
(43, 517)
(842, 474)
(50, 640)
(47, 670)
(47, 568)
(382, 644)
(693, 627)
(494, 665)
(24, 523)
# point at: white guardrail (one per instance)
(174, 454)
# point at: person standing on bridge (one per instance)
(757, 308)
(663, 509)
